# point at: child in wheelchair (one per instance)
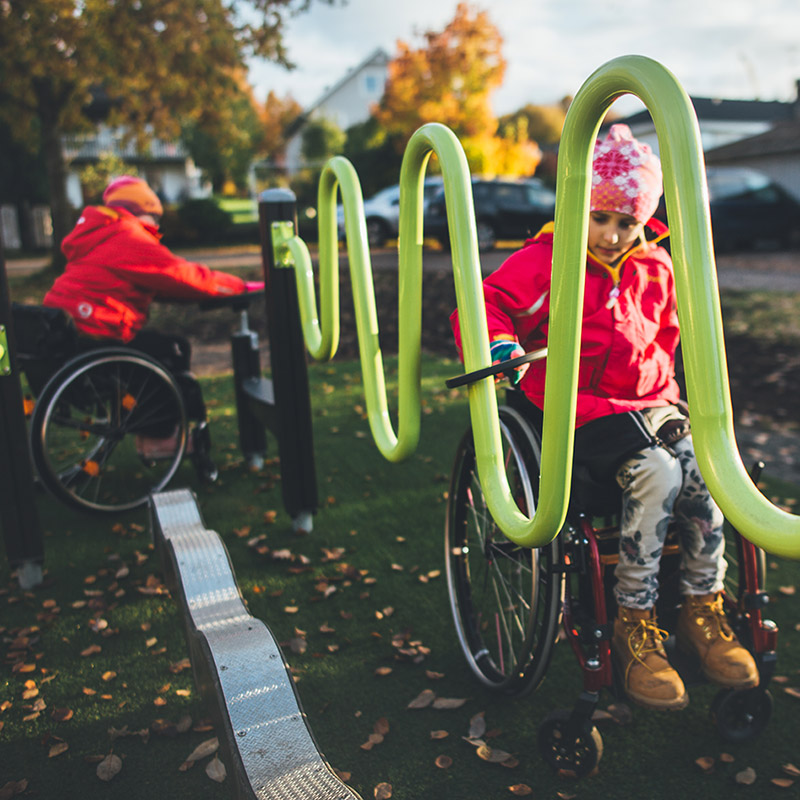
(116, 267)
(630, 420)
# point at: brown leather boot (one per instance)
(638, 646)
(703, 629)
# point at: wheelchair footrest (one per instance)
(239, 665)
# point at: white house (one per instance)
(347, 102)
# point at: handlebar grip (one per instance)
(494, 369)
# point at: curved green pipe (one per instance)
(696, 285)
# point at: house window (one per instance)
(372, 84)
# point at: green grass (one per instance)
(389, 521)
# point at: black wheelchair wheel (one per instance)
(572, 749)
(505, 599)
(94, 426)
(740, 715)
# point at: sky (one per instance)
(731, 49)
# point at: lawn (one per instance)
(94, 661)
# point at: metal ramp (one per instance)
(238, 665)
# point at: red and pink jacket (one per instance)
(116, 267)
(629, 332)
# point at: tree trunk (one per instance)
(57, 183)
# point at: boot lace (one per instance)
(646, 637)
(711, 617)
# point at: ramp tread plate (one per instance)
(270, 732)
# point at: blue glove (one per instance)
(503, 350)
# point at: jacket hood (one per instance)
(95, 225)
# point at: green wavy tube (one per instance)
(697, 291)
(696, 285)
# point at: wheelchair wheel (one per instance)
(94, 425)
(505, 599)
(571, 751)
(741, 715)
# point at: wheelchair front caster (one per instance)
(741, 714)
(571, 747)
(201, 453)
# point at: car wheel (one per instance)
(376, 232)
(487, 238)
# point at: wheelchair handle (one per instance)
(494, 369)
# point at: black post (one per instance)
(247, 365)
(22, 534)
(288, 363)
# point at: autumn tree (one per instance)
(276, 115)
(451, 80)
(161, 63)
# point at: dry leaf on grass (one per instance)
(477, 725)
(448, 703)
(383, 791)
(57, 749)
(520, 790)
(443, 762)
(439, 734)
(746, 777)
(423, 699)
(782, 783)
(204, 749)
(12, 789)
(492, 755)
(109, 767)
(791, 769)
(706, 763)
(215, 770)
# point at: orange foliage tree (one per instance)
(450, 80)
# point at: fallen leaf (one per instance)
(381, 726)
(422, 700)
(787, 590)
(61, 714)
(204, 749)
(448, 703)
(792, 692)
(726, 758)
(621, 712)
(215, 770)
(13, 788)
(439, 734)
(782, 783)
(486, 753)
(520, 789)
(57, 749)
(383, 791)
(382, 672)
(108, 675)
(746, 777)
(91, 650)
(443, 762)
(791, 769)
(109, 767)
(433, 676)
(706, 763)
(477, 725)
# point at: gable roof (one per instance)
(782, 139)
(711, 109)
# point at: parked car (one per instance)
(504, 209)
(382, 211)
(748, 210)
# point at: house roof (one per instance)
(377, 56)
(782, 139)
(710, 109)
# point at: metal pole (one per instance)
(288, 363)
(22, 533)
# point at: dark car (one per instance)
(748, 210)
(504, 209)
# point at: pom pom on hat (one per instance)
(626, 175)
(134, 195)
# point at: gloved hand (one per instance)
(254, 286)
(504, 350)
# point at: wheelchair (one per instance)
(95, 410)
(509, 603)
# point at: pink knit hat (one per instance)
(626, 175)
(134, 195)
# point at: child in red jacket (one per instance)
(116, 267)
(626, 411)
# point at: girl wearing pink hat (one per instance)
(629, 423)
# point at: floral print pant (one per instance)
(663, 489)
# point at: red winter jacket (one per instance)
(116, 267)
(628, 339)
